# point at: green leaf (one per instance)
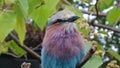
(113, 15)
(103, 32)
(8, 2)
(40, 16)
(94, 62)
(99, 46)
(7, 24)
(20, 28)
(1, 2)
(89, 1)
(75, 10)
(20, 24)
(3, 47)
(109, 2)
(16, 49)
(104, 4)
(88, 46)
(51, 3)
(114, 54)
(33, 4)
(18, 10)
(24, 5)
(51, 6)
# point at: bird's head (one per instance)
(62, 21)
(62, 17)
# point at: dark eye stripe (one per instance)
(60, 20)
(71, 19)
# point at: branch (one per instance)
(96, 8)
(13, 55)
(39, 45)
(88, 56)
(93, 13)
(67, 2)
(88, 12)
(25, 47)
(106, 27)
(4, 5)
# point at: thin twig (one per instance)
(3, 5)
(25, 47)
(96, 8)
(89, 12)
(67, 2)
(39, 45)
(13, 55)
(107, 27)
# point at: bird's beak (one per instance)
(73, 18)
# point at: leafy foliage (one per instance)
(94, 62)
(114, 54)
(3, 47)
(20, 23)
(104, 4)
(23, 5)
(20, 28)
(51, 4)
(32, 5)
(113, 15)
(6, 18)
(14, 15)
(16, 49)
(75, 10)
(40, 16)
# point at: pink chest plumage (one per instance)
(62, 42)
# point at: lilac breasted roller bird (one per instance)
(63, 46)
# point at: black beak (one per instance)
(73, 18)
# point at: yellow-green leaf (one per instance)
(20, 23)
(94, 62)
(7, 24)
(88, 46)
(75, 10)
(20, 28)
(104, 4)
(3, 47)
(114, 54)
(51, 3)
(113, 15)
(33, 4)
(24, 5)
(16, 49)
(40, 16)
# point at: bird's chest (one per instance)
(63, 44)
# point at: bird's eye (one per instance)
(59, 20)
